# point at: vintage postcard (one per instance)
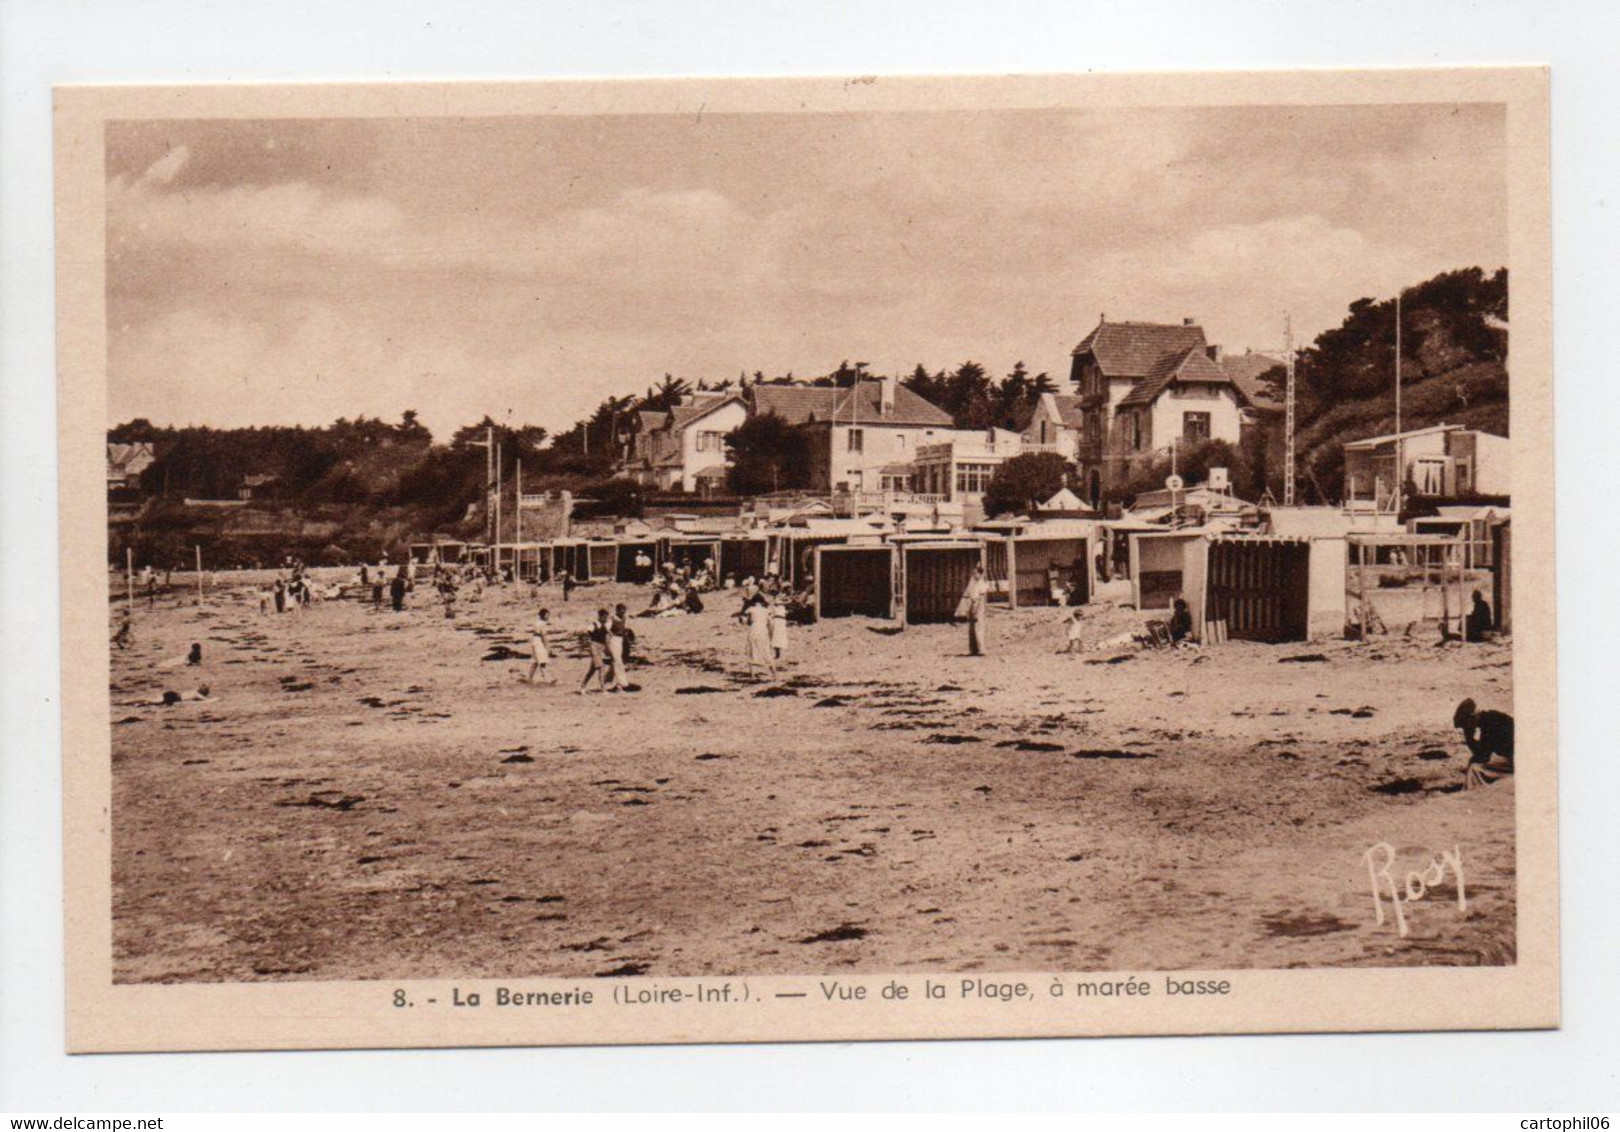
(732, 560)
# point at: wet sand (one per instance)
(375, 795)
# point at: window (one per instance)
(1194, 427)
(900, 441)
(974, 479)
(857, 440)
(1135, 425)
(711, 441)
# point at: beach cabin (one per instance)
(1268, 588)
(791, 553)
(691, 551)
(1471, 525)
(625, 568)
(1158, 566)
(526, 559)
(1114, 539)
(855, 580)
(742, 555)
(444, 552)
(603, 560)
(1044, 554)
(573, 555)
(1398, 583)
(933, 577)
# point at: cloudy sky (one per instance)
(297, 271)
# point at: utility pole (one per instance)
(497, 495)
(488, 445)
(1400, 445)
(1288, 411)
(518, 537)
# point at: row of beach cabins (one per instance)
(1289, 574)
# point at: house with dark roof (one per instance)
(1144, 387)
(126, 462)
(863, 437)
(683, 449)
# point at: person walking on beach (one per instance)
(596, 642)
(540, 648)
(396, 590)
(617, 630)
(567, 584)
(972, 606)
(621, 626)
(756, 615)
(779, 627)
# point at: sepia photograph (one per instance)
(828, 541)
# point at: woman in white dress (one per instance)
(972, 606)
(756, 614)
(540, 647)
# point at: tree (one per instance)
(1025, 482)
(767, 454)
(667, 394)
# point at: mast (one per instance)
(1288, 410)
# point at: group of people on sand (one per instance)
(609, 643)
(764, 616)
(293, 588)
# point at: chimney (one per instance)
(1189, 322)
(886, 386)
(1216, 354)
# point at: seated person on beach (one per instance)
(1181, 624)
(203, 694)
(1489, 736)
(1479, 621)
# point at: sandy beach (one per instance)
(371, 794)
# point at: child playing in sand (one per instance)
(125, 635)
(1070, 621)
(540, 648)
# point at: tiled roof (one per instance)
(863, 402)
(797, 404)
(1131, 349)
(793, 403)
(1244, 370)
(683, 415)
(1190, 364)
(652, 420)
